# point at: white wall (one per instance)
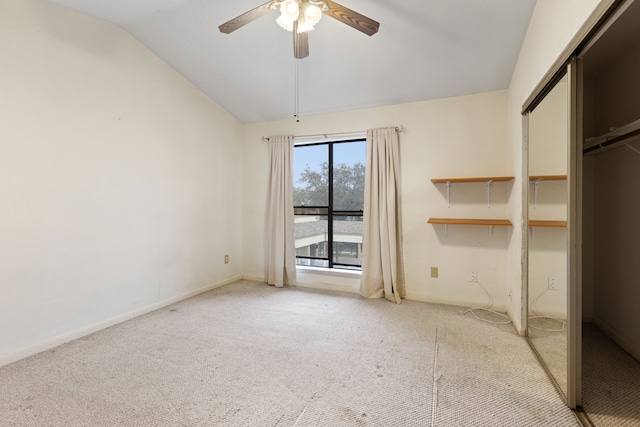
(463, 136)
(552, 26)
(120, 183)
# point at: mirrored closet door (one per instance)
(548, 147)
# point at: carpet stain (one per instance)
(350, 415)
(279, 419)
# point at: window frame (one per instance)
(330, 213)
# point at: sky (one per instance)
(315, 155)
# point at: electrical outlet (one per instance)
(226, 259)
(553, 283)
(473, 277)
(434, 272)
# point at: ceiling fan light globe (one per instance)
(312, 13)
(290, 9)
(303, 25)
(285, 23)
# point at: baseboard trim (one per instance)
(253, 278)
(460, 303)
(311, 285)
(66, 337)
(627, 345)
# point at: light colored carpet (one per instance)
(610, 381)
(251, 355)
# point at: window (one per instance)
(328, 198)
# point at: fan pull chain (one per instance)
(296, 95)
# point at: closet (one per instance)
(611, 224)
(582, 163)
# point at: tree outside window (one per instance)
(328, 198)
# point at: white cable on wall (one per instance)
(487, 308)
(533, 305)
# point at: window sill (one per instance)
(335, 272)
(329, 279)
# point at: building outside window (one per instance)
(328, 198)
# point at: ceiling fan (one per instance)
(299, 17)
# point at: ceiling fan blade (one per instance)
(352, 18)
(245, 18)
(300, 44)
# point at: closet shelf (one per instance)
(534, 178)
(470, 221)
(547, 223)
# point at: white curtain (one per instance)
(382, 269)
(280, 250)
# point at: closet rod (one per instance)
(613, 141)
(400, 128)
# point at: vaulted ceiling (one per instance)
(425, 49)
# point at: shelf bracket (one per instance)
(446, 230)
(448, 194)
(489, 193)
(533, 232)
(491, 231)
(535, 193)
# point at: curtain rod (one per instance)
(400, 128)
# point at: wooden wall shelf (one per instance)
(548, 178)
(470, 221)
(547, 223)
(472, 179)
(486, 179)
